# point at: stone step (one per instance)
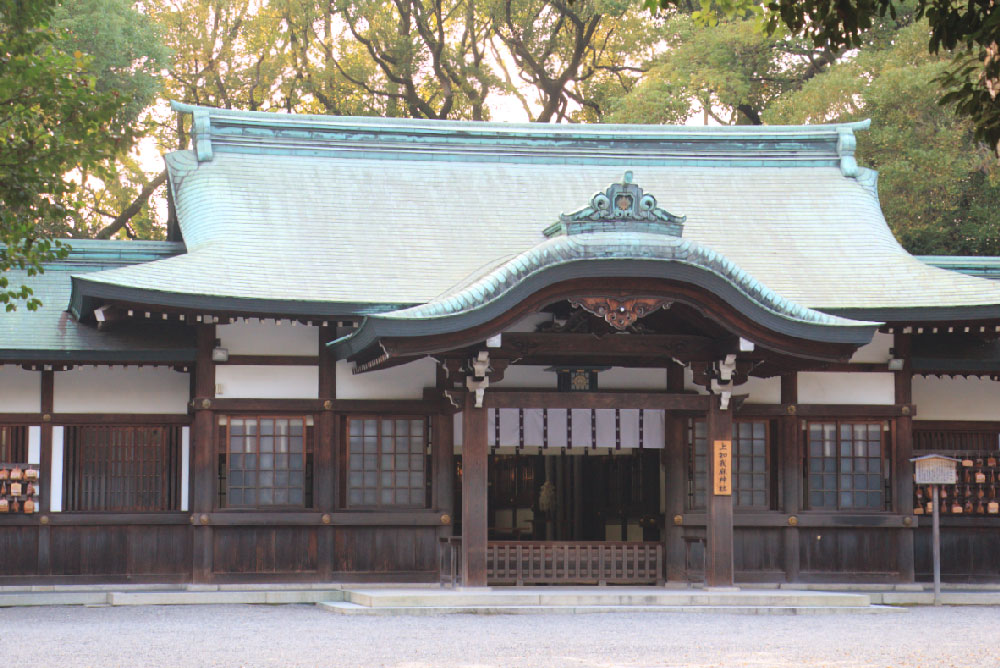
(346, 608)
(624, 596)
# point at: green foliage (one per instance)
(971, 29)
(52, 120)
(936, 182)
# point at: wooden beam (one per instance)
(826, 410)
(545, 399)
(674, 458)
(719, 530)
(276, 360)
(47, 406)
(474, 494)
(326, 482)
(790, 473)
(902, 452)
(203, 475)
(537, 347)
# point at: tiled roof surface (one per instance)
(51, 332)
(291, 208)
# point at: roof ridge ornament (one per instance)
(622, 207)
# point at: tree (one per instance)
(52, 120)
(970, 29)
(937, 184)
(126, 55)
(732, 71)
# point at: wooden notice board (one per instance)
(723, 478)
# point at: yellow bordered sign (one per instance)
(723, 469)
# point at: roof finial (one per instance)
(628, 178)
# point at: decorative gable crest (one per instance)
(622, 207)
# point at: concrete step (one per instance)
(346, 608)
(598, 596)
(168, 597)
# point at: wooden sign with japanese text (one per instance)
(723, 478)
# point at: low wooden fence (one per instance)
(576, 562)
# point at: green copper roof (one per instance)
(605, 255)
(312, 215)
(601, 246)
(51, 334)
(971, 265)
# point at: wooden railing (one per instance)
(523, 562)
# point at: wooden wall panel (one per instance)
(848, 551)
(240, 550)
(968, 554)
(385, 549)
(19, 550)
(89, 550)
(159, 550)
(758, 549)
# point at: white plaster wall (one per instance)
(761, 390)
(956, 398)
(268, 338)
(121, 390)
(537, 377)
(399, 382)
(835, 387)
(877, 351)
(621, 378)
(530, 322)
(20, 390)
(56, 478)
(689, 384)
(240, 381)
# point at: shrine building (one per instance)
(395, 350)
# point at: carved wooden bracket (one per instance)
(620, 313)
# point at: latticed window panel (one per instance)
(697, 437)
(750, 460)
(122, 468)
(387, 462)
(751, 464)
(267, 462)
(13, 444)
(846, 465)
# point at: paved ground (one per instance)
(299, 635)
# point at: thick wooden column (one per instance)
(45, 467)
(674, 460)
(325, 481)
(443, 468)
(203, 460)
(719, 545)
(790, 444)
(474, 482)
(902, 468)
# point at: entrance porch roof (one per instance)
(491, 293)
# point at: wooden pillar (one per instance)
(474, 481)
(203, 460)
(902, 468)
(45, 466)
(719, 532)
(790, 447)
(674, 455)
(443, 468)
(325, 481)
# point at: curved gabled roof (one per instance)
(604, 255)
(307, 215)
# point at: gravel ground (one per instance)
(234, 635)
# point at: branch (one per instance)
(133, 208)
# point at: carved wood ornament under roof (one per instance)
(620, 313)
